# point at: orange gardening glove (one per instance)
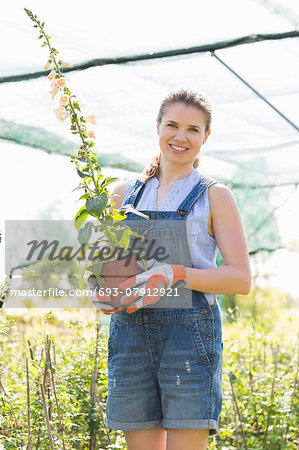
(148, 287)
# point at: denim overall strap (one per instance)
(135, 193)
(194, 195)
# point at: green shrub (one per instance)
(260, 379)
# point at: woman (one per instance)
(164, 363)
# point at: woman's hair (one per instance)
(187, 97)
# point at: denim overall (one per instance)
(165, 361)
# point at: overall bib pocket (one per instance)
(112, 331)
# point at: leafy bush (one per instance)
(67, 356)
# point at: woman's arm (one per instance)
(234, 277)
(118, 193)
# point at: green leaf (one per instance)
(233, 377)
(95, 206)
(118, 233)
(97, 266)
(78, 187)
(125, 240)
(107, 181)
(48, 315)
(82, 174)
(33, 369)
(80, 217)
(85, 233)
(117, 216)
(83, 197)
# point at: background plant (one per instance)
(260, 381)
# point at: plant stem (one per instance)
(238, 411)
(75, 116)
(293, 397)
(237, 426)
(271, 397)
(252, 388)
(11, 412)
(102, 416)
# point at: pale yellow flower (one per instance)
(65, 115)
(52, 74)
(90, 134)
(47, 66)
(61, 82)
(64, 100)
(54, 82)
(54, 92)
(91, 119)
(61, 113)
(66, 64)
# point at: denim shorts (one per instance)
(165, 369)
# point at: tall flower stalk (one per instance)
(86, 162)
(96, 194)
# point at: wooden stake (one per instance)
(30, 350)
(46, 382)
(28, 406)
(56, 400)
(47, 417)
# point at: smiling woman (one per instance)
(182, 137)
(165, 353)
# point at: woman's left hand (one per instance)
(146, 285)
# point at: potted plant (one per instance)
(108, 231)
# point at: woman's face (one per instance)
(182, 133)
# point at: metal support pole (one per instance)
(256, 92)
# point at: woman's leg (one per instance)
(153, 439)
(187, 439)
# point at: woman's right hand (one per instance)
(102, 302)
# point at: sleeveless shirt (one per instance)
(202, 245)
